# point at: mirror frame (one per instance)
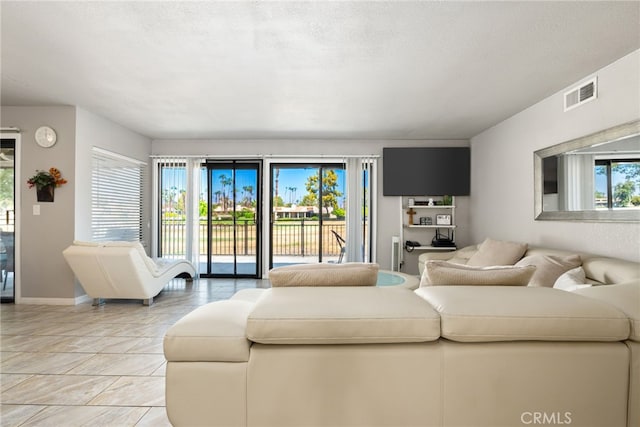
(607, 135)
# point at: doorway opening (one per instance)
(7, 219)
(233, 219)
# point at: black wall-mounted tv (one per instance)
(426, 171)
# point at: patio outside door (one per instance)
(307, 213)
(233, 220)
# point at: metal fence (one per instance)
(7, 220)
(292, 238)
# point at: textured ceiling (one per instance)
(403, 70)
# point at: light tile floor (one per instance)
(95, 366)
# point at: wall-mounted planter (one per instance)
(45, 193)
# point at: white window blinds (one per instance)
(117, 183)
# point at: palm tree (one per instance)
(275, 198)
(225, 181)
(248, 190)
(291, 194)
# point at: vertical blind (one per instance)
(173, 206)
(117, 184)
(361, 185)
(177, 220)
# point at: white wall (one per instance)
(502, 167)
(43, 271)
(95, 131)
(389, 212)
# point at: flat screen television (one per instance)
(426, 171)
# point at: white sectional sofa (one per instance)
(439, 356)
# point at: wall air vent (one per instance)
(582, 94)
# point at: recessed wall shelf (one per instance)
(430, 214)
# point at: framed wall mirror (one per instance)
(593, 178)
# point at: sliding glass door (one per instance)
(7, 218)
(233, 220)
(308, 220)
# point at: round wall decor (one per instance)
(46, 137)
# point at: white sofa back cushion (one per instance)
(523, 313)
(342, 315)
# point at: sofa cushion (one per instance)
(214, 332)
(625, 297)
(446, 273)
(519, 313)
(549, 267)
(497, 252)
(342, 315)
(249, 294)
(348, 274)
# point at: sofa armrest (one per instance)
(215, 332)
(624, 296)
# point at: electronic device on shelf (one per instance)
(410, 245)
(442, 240)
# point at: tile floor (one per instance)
(95, 366)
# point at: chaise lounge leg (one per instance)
(148, 301)
(97, 302)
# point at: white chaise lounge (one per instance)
(122, 270)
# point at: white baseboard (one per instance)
(54, 301)
(83, 298)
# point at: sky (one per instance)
(291, 183)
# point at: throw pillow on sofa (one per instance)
(438, 273)
(497, 252)
(549, 267)
(348, 274)
(572, 280)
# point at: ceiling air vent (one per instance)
(579, 95)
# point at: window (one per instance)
(117, 184)
(617, 183)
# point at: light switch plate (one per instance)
(36, 209)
